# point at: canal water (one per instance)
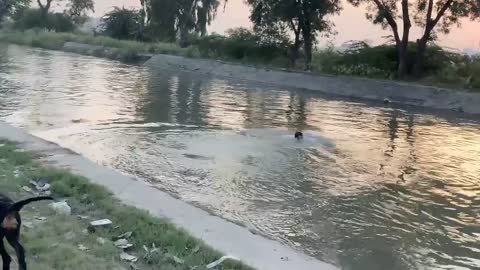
(370, 187)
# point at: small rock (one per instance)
(40, 218)
(28, 225)
(101, 222)
(387, 101)
(83, 217)
(127, 257)
(61, 208)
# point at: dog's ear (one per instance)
(10, 222)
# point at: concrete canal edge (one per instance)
(351, 87)
(229, 238)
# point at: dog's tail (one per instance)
(19, 205)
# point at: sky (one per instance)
(351, 24)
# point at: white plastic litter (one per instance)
(123, 243)
(101, 222)
(127, 257)
(220, 261)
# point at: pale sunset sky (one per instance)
(351, 24)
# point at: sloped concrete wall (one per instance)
(378, 90)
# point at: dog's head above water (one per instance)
(298, 135)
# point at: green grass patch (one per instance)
(54, 243)
(55, 41)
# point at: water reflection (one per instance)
(370, 187)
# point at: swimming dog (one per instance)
(298, 135)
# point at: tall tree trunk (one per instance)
(184, 42)
(422, 42)
(307, 33)
(402, 62)
(294, 53)
(420, 56)
(308, 45)
(44, 9)
(402, 47)
(294, 50)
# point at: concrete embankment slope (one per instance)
(227, 237)
(396, 92)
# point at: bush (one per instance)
(242, 44)
(33, 18)
(360, 59)
(122, 23)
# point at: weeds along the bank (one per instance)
(442, 68)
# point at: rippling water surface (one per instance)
(370, 187)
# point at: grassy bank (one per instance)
(442, 68)
(62, 242)
(125, 48)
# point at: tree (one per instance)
(79, 8)
(312, 21)
(170, 17)
(276, 18)
(122, 23)
(305, 18)
(12, 7)
(430, 15)
(44, 8)
(76, 7)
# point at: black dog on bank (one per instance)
(10, 228)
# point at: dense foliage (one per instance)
(430, 15)
(122, 23)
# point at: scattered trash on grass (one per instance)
(123, 243)
(127, 257)
(125, 235)
(82, 247)
(101, 222)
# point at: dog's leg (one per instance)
(14, 240)
(6, 259)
